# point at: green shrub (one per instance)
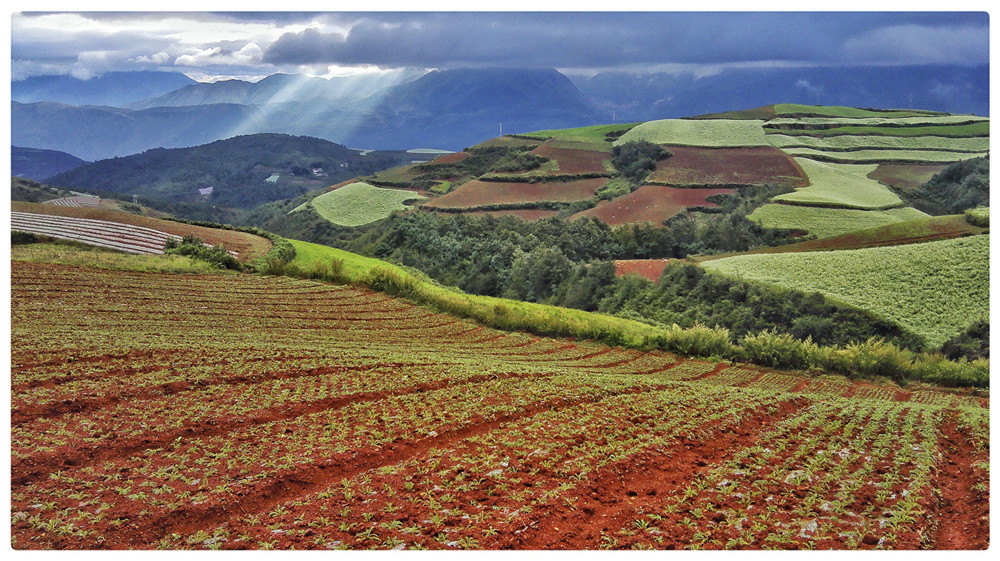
(697, 341)
(391, 282)
(978, 216)
(779, 350)
(936, 368)
(19, 237)
(193, 247)
(876, 357)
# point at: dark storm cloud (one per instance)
(577, 40)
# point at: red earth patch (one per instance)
(757, 165)
(651, 203)
(478, 193)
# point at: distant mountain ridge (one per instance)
(112, 88)
(39, 164)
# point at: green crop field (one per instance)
(857, 142)
(590, 135)
(878, 156)
(696, 132)
(827, 222)
(841, 111)
(360, 203)
(981, 128)
(841, 185)
(935, 289)
(879, 121)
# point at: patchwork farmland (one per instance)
(334, 417)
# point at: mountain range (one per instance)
(447, 109)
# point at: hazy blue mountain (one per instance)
(452, 109)
(279, 88)
(112, 88)
(953, 89)
(39, 164)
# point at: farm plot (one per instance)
(529, 214)
(360, 203)
(841, 111)
(978, 128)
(880, 121)
(101, 233)
(894, 143)
(905, 176)
(247, 412)
(76, 201)
(651, 203)
(247, 246)
(927, 229)
(840, 186)
(828, 222)
(879, 156)
(571, 160)
(478, 193)
(647, 268)
(698, 132)
(935, 289)
(727, 166)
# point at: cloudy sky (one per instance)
(211, 46)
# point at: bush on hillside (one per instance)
(637, 158)
(193, 247)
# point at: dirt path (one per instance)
(962, 513)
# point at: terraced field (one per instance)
(759, 165)
(707, 133)
(840, 186)
(935, 289)
(829, 222)
(651, 203)
(478, 193)
(130, 232)
(246, 412)
(359, 203)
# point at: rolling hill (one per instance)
(40, 164)
(241, 172)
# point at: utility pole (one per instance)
(613, 122)
(501, 129)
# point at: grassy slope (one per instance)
(859, 142)
(936, 289)
(828, 222)
(840, 185)
(360, 203)
(72, 254)
(595, 134)
(710, 132)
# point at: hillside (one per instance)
(306, 422)
(39, 164)
(241, 172)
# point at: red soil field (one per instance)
(650, 203)
(756, 165)
(646, 268)
(905, 176)
(451, 158)
(247, 246)
(478, 193)
(573, 161)
(259, 412)
(342, 183)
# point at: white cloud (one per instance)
(158, 58)
(249, 54)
